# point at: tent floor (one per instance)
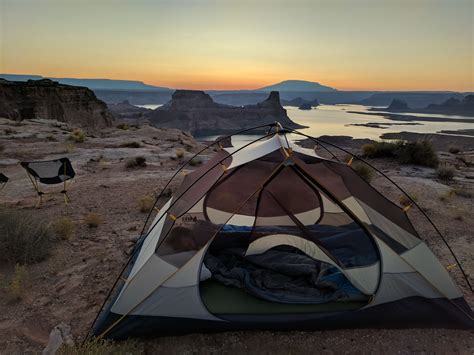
(221, 299)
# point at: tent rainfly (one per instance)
(274, 236)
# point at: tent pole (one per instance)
(403, 191)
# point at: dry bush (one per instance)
(131, 145)
(180, 153)
(92, 220)
(446, 173)
(461, 191)
(18, 283)
(146, 203)
(77, 135)
(24, 237)
(8, 131)
(123, 126)
(63, 227)
(100, 346)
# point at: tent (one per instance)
(270, 235)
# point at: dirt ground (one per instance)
(71, 285)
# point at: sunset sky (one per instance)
(346, 44)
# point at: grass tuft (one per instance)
(63, 227)
(123, 126)
(137, 162)
(196, 161)
(24, 237)
(146, 203)
(100, 346)
(131, 145)
(179, 153)
(454, 150)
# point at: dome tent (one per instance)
(270, 195)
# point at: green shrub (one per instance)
(100, 346)
(137, 162)
(77, 136)
(196, 161)
(63, 227)
(454, 150)
(418, 153)
(363, 170)
(24, 237)
(123, 126)
(131, 145)
(446, 172)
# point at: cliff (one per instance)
(398, 105)
(452, 106)
(46, 99)
(195, 111)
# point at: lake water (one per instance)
(336, 120)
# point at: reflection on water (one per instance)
(336, 120)
(151, 107)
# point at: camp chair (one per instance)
(49, 172)
(3, 181)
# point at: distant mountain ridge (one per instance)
(297, 85)
(93, 84)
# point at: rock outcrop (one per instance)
(298, 102)
(398, 105)
(47, 99)
(195, 111)
(126, 111)
(464, 107)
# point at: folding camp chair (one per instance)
(49, 172)
(3, 181)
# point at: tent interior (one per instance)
(276, 244)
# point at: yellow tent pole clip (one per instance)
(450, 267)
(172, 216)
(407, 207)
(183, 172)
(349, 163)
(224, 168)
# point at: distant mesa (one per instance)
(297, 86)
(298, 102)
(453, 106)
(305, 106)
(47, 99)
(398, 105)
(195, 111)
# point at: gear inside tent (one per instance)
(270, 235)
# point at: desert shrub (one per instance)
(419, 153)
(77, 135)
(363, 170)
(196, 161)
(137, 162)
(18, 283)
(123, 126)
(24, 237)
(446, 172)
(8, 131)
(92, 220)
(405, 200)
(461, 191)
(100, 346)
(63, 227)
(146, 203)
(51, 138)
(454, 150)
(380, 149)
(179, 153)
(131, 145)
(459, 215)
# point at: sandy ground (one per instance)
(71, 285)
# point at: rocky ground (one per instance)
(70, 286)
